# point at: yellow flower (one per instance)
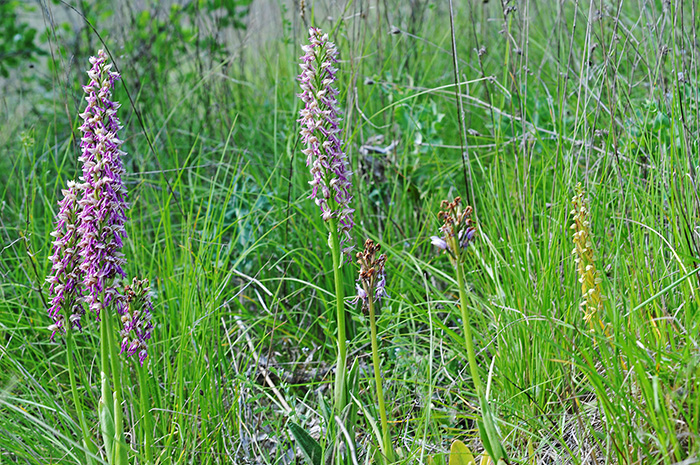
(584, 257)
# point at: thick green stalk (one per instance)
(146, 414)
(468, 342)
(489, 435)
(91, 451)
(120, 452)
(388, 450)
(340, 400)
(105, 407)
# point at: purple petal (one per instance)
(438, 242)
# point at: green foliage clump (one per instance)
(17, 47)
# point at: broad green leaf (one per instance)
(309, 446)
(460, 454)
(483, 434)
(492, 443)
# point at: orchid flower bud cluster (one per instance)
(137, 320)
(457, 230)
(584, 256)
(372, 280)
(90, 232)
(321, 134)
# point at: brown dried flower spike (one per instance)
(372, 280)
(457, 230)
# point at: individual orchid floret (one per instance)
(103, 205)
(457, 230)
(136, 321)
(321, 134)
(438, 242)
(372, 280)
(65, 279)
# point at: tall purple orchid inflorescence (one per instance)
(321, 134)
(66, 277)
(103, 205)
(87, 260)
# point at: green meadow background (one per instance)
(506, 104)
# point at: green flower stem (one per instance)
(146, 414)
(489, 436)
(340, 400)
(111, 415)
(468, 342)
(105, 407)
(388, 450)
(120, 453)
(91, 451)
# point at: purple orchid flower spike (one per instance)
(321, 134)
(103, 205)
(65, 281)
(87, 260)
